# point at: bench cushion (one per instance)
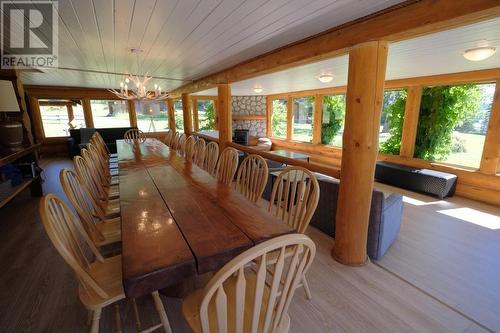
(440, 184)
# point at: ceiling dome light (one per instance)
(325, 78)
(479, 53)
(258, 90)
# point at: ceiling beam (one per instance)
(403, 21)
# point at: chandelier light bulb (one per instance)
(258, 90)
(141, 90)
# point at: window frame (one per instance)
(45, 102)
(194, 110)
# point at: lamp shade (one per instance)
(8, 99)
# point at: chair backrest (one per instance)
(175, 141)
(199, 152)
(252, 177)
(97, 140)
(134, 134)
(181, 146)
(100, 163)
(189, 148)
(85, 206)
(168, 137)
(211, 157)
(295, 197)
(93, 165)
(262, 296)
(227, 165)
(70, 240)
(86, 176)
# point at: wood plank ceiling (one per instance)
(182, 39)
(437, 53)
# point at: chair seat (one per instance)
(113, 192)
(108, 276)
(115, 180)
(113, 208)
(111, 230)
(191, 307)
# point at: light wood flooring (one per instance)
(453, 258)
(38, 292)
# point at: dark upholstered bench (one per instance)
(385, 213)
(440, 184)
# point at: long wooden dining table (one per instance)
(178, 221)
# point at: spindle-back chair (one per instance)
(238, 299)
(227, 165)
(252, 177)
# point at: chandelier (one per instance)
(138, 89)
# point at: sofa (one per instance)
(440, 184)
(385, 214)
(80, 137)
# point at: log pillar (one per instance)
(364, 100)
(410, 122)
(225, 116)
(132, 115)
(490, 161)
(186, 114)
(171, 114)
(71, 113)
(87, 112)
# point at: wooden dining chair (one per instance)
(105, 198)
(252, 177)
(211, 157)
(134, 134)
(181, 146)
(168, 138)
(98, 138)
(294, 199)
(101, 230)
(238, 299)
(106, 178)
(227, 165)
(189, 148)
(175, 141)
(100, 282)
(103, 152)
(199, 152)
(100, 162)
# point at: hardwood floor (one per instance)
(453, 258)
(39, 293)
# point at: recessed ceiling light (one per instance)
(258, 90)
(325, 78)
(479, 53)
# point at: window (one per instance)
(59, 116)
(151, 116)
(332, 123)
(303, 112)
(109, 113)
(179, 116)
(206, 114)
(279, 118)
(452, 123)
(391, 121)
